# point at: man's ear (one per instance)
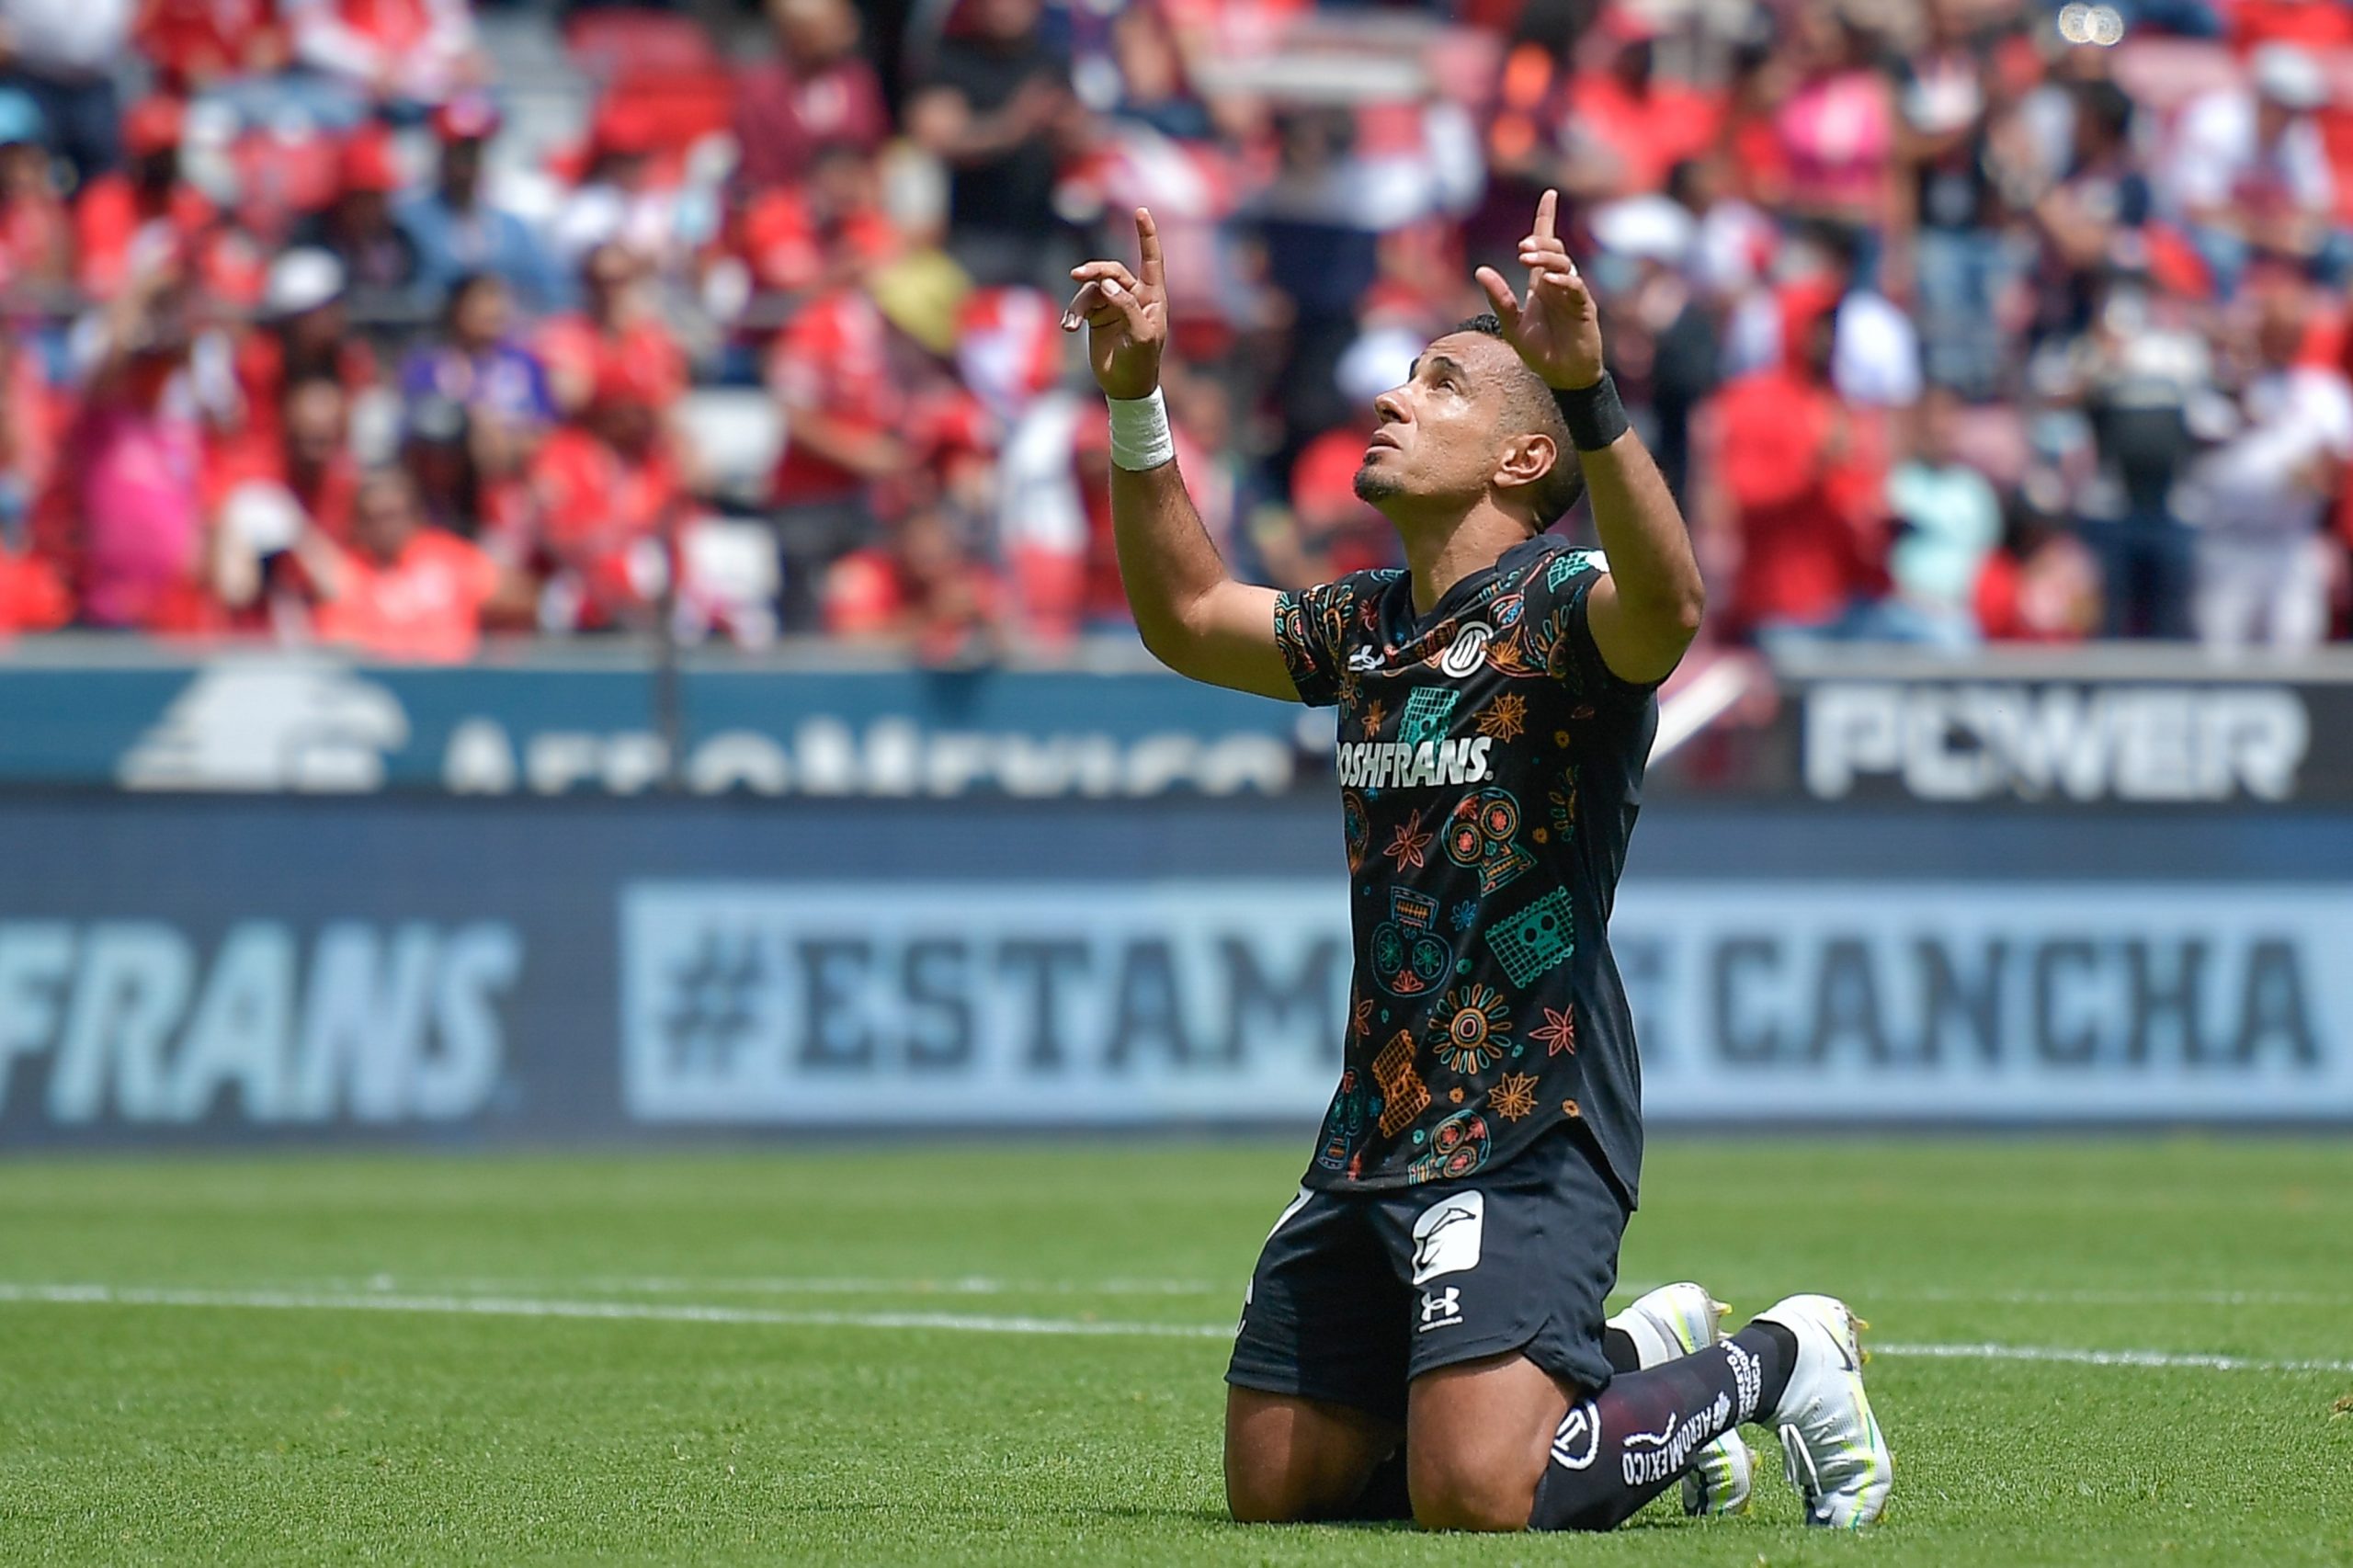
(1525, 459)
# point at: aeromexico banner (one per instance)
(407, 969)
(281, 723)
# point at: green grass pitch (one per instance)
(813, 1357)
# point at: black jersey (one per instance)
(1490, 767)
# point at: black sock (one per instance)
(1619, 1346)
(1615, 1452)
(1384, 1496)
(1777, 1365)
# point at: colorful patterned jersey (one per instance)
(1490, 767)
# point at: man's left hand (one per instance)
(1557, 328)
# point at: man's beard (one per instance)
(1373, 486)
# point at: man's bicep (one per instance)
(1639, 650)
(1231, 641)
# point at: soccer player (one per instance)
(1424, 1331)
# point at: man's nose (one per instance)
(1391, 406)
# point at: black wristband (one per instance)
(1594, 415)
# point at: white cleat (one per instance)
(1667, 1323)
(1832, 1448)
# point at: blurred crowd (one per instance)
(389, 324)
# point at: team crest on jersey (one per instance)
(1468, 650)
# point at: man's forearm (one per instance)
(1643, 532)
(1166, 559)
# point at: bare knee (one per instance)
(1453, 1491)
(1290, 1460)
(1476, 1441)
(1255, 1497)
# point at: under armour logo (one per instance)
(1441, 1308)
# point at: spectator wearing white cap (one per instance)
(2249, 173)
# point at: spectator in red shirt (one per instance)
(305, 333)
(141, 208)
(851, 386)
(357, 228)
(1625, 126)
(321, 471)
(618, 324)
(32, 596)
(29, 411)
(1781, 501)
(817, 93)
(2309, 24)
(405, 590)
(826, 230)
(919, 589)
(196, 44)
(388, 52)
(32, 593)
(35, 237)
(607, 491)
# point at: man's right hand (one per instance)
(1126, 317)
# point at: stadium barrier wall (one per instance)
(2086, 732)
(238, 969)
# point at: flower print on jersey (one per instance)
(1472, 1028)
(1357, 827)
(1514, 1096)
(1361, 1018)
(1561, 805)
(1465, 916)
(1557, 646)
(1509, 655)
(1410, 846)
(1337, 610)
(1559, 1033)
(1351, 687)
(1506, 717)
(1373, 714)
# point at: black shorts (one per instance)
(1358, 1293)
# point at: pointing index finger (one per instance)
(1546, 206)
(1148, 249)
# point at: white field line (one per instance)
(987, 1285)
(962, 1322)
(783, 1285)
(632, 1312)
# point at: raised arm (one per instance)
(1193, 617)
(1645, 611)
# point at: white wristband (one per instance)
(1139, 437)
